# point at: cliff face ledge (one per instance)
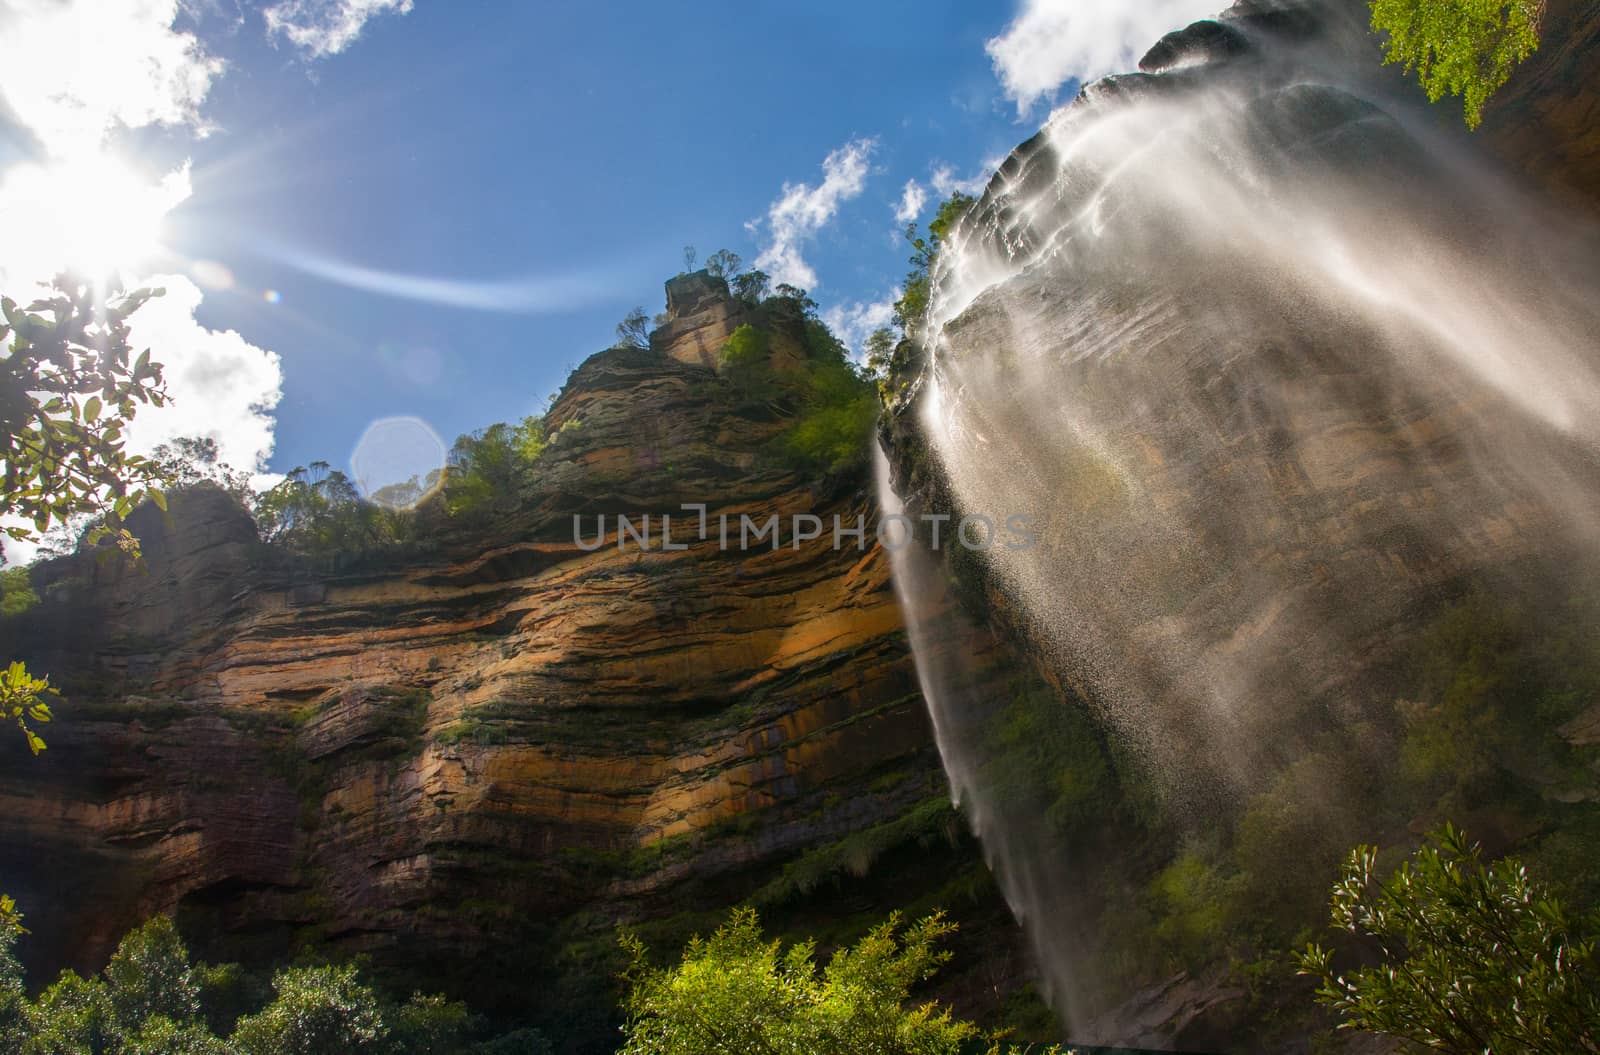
(472, 758)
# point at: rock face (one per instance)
(473, 765)
(1546, 121)
(700, 318)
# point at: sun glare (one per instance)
(91, 214)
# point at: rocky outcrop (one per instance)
(472, 765)
(700, 318)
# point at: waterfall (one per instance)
(1276, 364)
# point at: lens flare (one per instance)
(398, 462)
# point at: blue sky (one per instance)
(455, 202)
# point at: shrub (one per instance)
(737, 991)
(316, 1011)
(149, 975)
(1474, 957)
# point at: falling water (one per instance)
(1276, 364)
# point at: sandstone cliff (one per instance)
(473, 763)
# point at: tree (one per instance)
(737, 992)
(880, 352)
(1475, 958)
(319, 512)
(489, 468)
(799, 297)
(634, 330)
(73, 1017)
(912, 307)
(752, 286)
(689, 257)
(431, 1025)
(68, 389)
(149, 975)
(316, 1011)
(190, 460)
(1459, 47)
(13, 994)
(724, 264)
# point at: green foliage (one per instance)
(751, 287)
(13, 994)
(724, 264)
(149, 975)
(16, 592)
(1459, 47)
(490, 468)
(318, 512)
(22, 700)
(1475, 957)
(191, 460)
(833, 433)
(738, 992)
(634, 330)
(1193, 897)
(316, 1011)
(929, 821)
(151, 1001)
(1497, 680)
(517, 1042)
(163, 1036)
(912, 307)
(745, 362)
(744, 350)
(73, 1016)
(431, 1025)
(69, 385)
(1048, 754)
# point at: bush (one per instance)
(71, 1016)
(737, 991)
(149, 975)
(316, 1011)
(13, 1002)
(1475, 957)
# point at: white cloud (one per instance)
(1053, 41)
(326, 27)
(222, 386)
(74, 70)
(854, 323)
(802, 210)
(912, 199)
(946, 182)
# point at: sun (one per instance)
(93, 214)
